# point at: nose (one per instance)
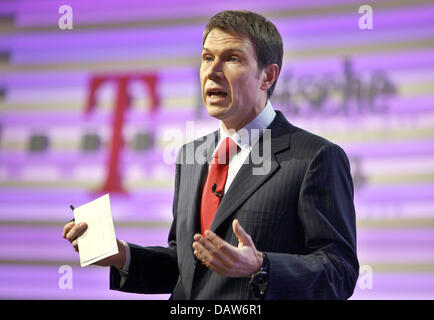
(215, 70)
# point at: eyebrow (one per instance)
(230, 50)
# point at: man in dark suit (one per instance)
(275, 219)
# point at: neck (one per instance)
(233, 125)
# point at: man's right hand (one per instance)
(72, 231)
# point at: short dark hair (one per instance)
(264, 35)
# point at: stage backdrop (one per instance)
(96, 97)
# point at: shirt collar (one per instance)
(247, 136)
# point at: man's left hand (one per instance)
(226, 259)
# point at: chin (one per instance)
(216, 111)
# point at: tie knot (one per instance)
(227, 148)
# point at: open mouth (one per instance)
(216, 93)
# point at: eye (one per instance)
(207, 58)
(234, 59)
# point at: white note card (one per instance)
(99, 240)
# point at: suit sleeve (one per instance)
(329, 269)
(152, 269)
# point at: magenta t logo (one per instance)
(113, 181)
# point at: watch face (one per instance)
(260, 278)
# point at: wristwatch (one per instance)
(259, 279)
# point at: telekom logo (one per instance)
(113, 181)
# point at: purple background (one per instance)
(386, 127)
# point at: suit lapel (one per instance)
(203, 153)
(246, 181)
(198, 167)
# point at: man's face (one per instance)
(230, 80)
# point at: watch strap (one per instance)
(259, 280)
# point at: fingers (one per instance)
(67, 227)
(213, 251)
(244, 238)
(221, 245)
(72, 231)
(76, 231)
(211, 261)
(214, 243)
(226, 259)
(75, 245)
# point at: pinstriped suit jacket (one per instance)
(300, 213)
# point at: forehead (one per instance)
(219, 39)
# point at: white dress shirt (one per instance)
(245, 138)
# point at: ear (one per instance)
(269, 76)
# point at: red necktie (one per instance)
(217, 175)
